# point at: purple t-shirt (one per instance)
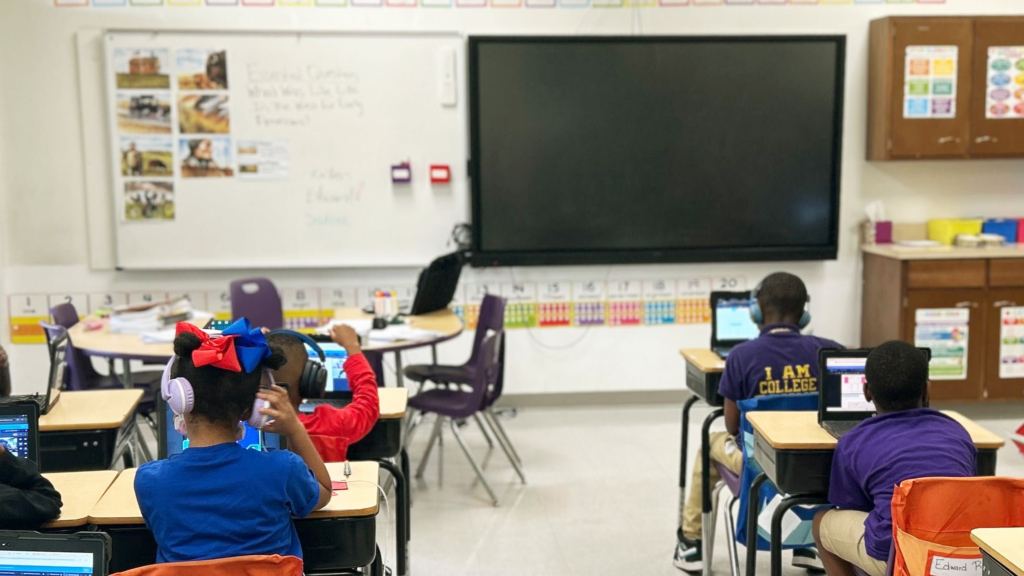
(873, 458)
(780, 361)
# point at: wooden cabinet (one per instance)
(903, 83)
(897, 285)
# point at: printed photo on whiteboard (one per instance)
(147, 156)
(201, 69)
(142, 68)
(203, 114)
(146, 113)
(945, 331)
(1005, 89)
(1011, 342)
(930, 82)
(148, 201)
(263, 159)
(206, 158)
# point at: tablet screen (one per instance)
(14, 434)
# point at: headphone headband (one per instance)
(305, 340)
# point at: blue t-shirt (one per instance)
(223, 500)
(779, 361)
(873, 458)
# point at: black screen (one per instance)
(655, 149)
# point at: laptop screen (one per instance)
(336, 356)
(14, 434)
(732, 320)
(843, 386)
(254, 439)
(44, 563)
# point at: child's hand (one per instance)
(283, 419)
(347, 338)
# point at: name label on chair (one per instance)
(954, 565)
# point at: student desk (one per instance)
(703, 374)
(795, 453)
(341, 536)
(89, 430)
(79, 492)
(1002, 550)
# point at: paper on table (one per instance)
(158, 336)
(396, 333)
(360, 325)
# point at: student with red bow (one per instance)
(217, 499)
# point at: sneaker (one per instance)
(688, 556)
(807, 558)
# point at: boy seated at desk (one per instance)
(27, 500)
(903, 442)
(217, 499)
(332, 429)
(779, 361)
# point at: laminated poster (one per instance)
(929, 82)
(1011, 343)
(1004, 93)
(945, 332)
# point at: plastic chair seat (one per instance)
(450, 403)
(731, 479)
(441, 374)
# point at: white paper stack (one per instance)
(400, 332)
(153, 318)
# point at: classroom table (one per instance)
(1002, 550)
(79, 493)
(795, 453)
(89, 430)
(703, 374)
(340, 536)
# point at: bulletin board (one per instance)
(260, 150)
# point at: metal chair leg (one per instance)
(472, 462)
(734, 555)
(709, 525)
(487, 435)
(499, 430)
(430, 447)
(503, 442)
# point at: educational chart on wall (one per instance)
(1011, 342)
(930, 82)
(296, 133)
(1004, 96)
(945, 331)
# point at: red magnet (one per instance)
(440, 174)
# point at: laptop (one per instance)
(171, 442)
(437, 283)
(337, 391)
(731, 324)
(841, 401)
(35, 554)
(19, 430)
(58, 365)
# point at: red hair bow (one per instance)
(219, 352)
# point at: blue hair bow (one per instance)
(250, 343)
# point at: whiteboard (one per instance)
(261, 150)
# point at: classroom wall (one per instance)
(45, 243)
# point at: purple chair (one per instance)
(53, 335)
(466, 393)
(257, 299)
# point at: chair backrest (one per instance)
(80, 370)
(238, 566)
(59, 346)
(935, 516)
(257, 299)
(491, 319)
(64, 314)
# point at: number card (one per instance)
(26, 311)
(301, 309)
(625, 305)
(196, 297)
(521, 310)
(219, 302)
(143, 298)
(554, 304)
(79, 301)
(695, 300)
(588, 303)
(106, 300)
(333, 298)
(474, 296)
(659, 301)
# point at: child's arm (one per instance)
(26, 498)
(287, 424)
(732, 418)
(354, 421)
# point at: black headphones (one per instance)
(314, 374)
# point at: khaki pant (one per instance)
(724, 450)
(842, 533)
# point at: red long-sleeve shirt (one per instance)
(332, 429)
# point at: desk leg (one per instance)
(140, 441)
(399, 377)
(684, 441)
(707, 516)
(433, 354)
(402, 515)
(776, 536)
(126, 378)
(753, 510)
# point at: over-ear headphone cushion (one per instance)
(314, 378)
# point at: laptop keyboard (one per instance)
(838, 428)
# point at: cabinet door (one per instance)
(942, 130)
(929, 322)
(1004, 353)
(997, 110)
